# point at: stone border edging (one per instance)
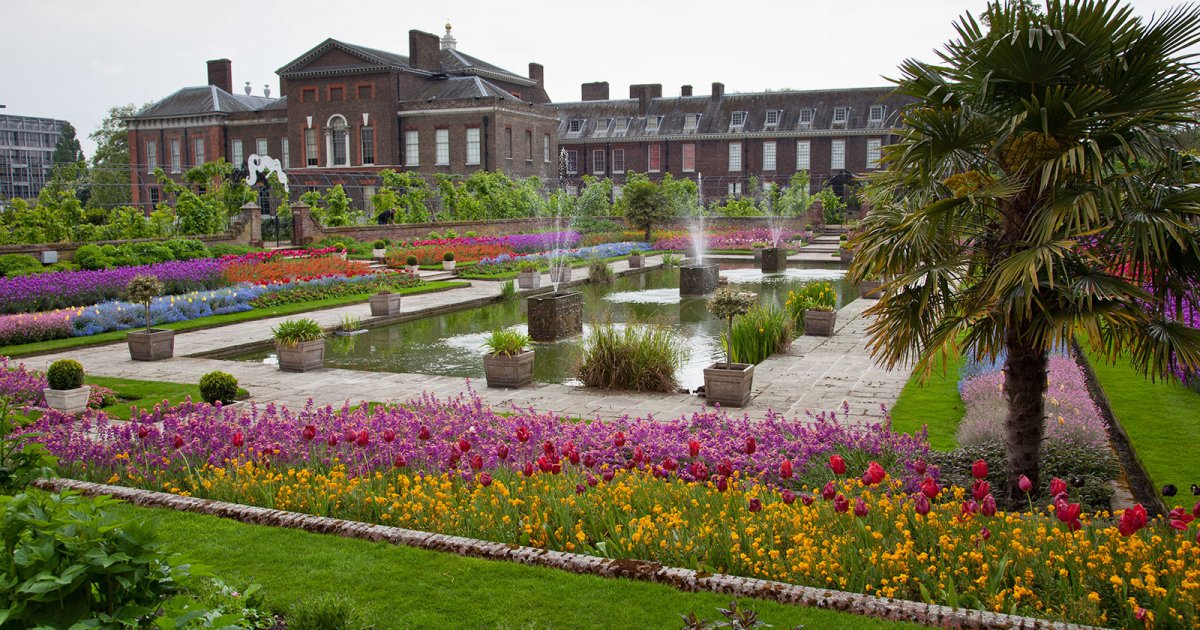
(682, 579)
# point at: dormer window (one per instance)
(621, 125)
(773, 116)
(737, 120)
(652, 123)
(841, 115)
(575, 126)
(602, 125)
(691, 122)
(806, 117)
(876, 114)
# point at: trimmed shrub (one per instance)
(92, 257)
(218, 386)
(220, 249)
(65, 374)
(18, 264)
(187, 248)
(638, 357)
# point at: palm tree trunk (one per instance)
(1024, 388)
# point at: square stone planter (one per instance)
(384, 304)
(636, 261)
(819, 323)
(72, 401)
(757, 251)
(302, 357)
(560, 274)
(774, 260)
(156, 345)
(378, 254)
(413, 269)
(448, 265)
(508, 371)
(870, 289)
(846, 255)
(698, 279)
(555, 316)
(529, 279)
(729, 387)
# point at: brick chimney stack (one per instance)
(595, 91)
(220, 74)
(424, 51)
(537, 73)
(644, 93)
(685, 90)
(718, 91)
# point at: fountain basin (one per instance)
(698, 279)
(774, 260)
(555, 316)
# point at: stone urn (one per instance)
(555, 316)
(698, 279)
(728, 387)
(529, 279)
(69, 401)
(511, 371)
(774, 260)
(560, 274)
(302, 357)
(636, 261)
(870, 289)
(383, 304)
(155, 345)
(819, 323)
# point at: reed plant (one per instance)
(761, 332)
(508, 291)
(638, 357)
(599, 272)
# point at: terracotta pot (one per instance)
(384, 304)
(819, 323)
(72, 401)
(508, 371)
(729, 387)
(156, 345)
(302, 357)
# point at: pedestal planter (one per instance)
(698, 279)
(384, 304)
(560, 274)
(729, 387)
(635, 261)
(774, 260)
(846, 254)
(448, 265)
(72, 401)
(819, 323)
(302, 357)
(378, 254)
(529, 279)
(508, 371)
(555, 316)
(413, 269)
(156, 345)
(870, 289)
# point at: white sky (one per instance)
(74, 59)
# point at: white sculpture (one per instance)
(265, 164)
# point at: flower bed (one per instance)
(511, 263)
(519, 243)
(737, 239)
(274, 254)
(61, 289)
(326, 288)
(292, 269)
(432, 254)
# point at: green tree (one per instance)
(67, 149)
(1034, 195)
(646, 205)
(110, 163)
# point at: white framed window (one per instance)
(546, 148)
(837, 155)
(803, 153)
(236, 154)
(691, 122)
(773, 116)
(284, 154)
(618, 161)
(652, 123)
(621, 125)
(597, 161)
(735, 188)
(176, 157)
(735, 156)
(806, 117)
(338, 141)
(653, 158)
(768, 161)
(441, 143)
(412, 148)
(572, 165)
(310, 147)
(840, 115)
(367, 137)
(737, 120)
(874, 152)
(575, 125)
(368, 195)
(689, 158)
(260, 147)
(473, 145)
(152, 156)
(602, 125)
(198, 151)
(876, 114)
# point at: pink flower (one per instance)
(840, 504)
(1025, 484)
(921, 505)
(485, 479)
(860, 507)
(988, 506)
(1057, 487)
(755, 505)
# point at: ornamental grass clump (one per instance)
(142, 290)
(763, 331)
(727, 304)
(599, 272)
(642, 358)
(291, 332)
(506, 342)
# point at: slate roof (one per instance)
(462, 87)
(453, 62)
(716, 114)
(458, 62)
(205, 99)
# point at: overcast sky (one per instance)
(74, 59)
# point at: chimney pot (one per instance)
(220, 74)
(685, 90)
(718, 90)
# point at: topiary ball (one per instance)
(65, 374)
(218, 385)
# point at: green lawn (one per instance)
(142, 394)
(934, 403)
(402, 587)
(54, 345)
(1162, 420)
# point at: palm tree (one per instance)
(1034, 194)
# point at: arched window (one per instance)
(337, 140)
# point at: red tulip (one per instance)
(1025, 484)
(573, 455)
(751, 445)
(980, 489)
(523, 434)
(238, 439)
(528, 470)
(969, 507)
(502, 452)
(464, 445)
(476, 461)
(985, 533)
(143, 432)
(544, 464)
(828, 491)
(698, 471)
(399, 462)
(592, 481)
(589, 460)
(638, 455)
(785, 469)
(840, 504)
(979, 469)
(1179, 519)
(1132, 519)
(693, 448)
(178, 442)
(608, 475)
(669, 464)
(389, 436)
(1068, 512)
(930, 488)
(1196, 510)
(308, 433)
(921, 505)
(920, 467)
(837, 464)
(423, 434)
(619, 439)
(874, 474)
(807, 499)
(988, 506)
(787, 496)
(548, 449)
(860, 507)
(350, 435)
(755, 505)
(331, 440)
(485, 479)
(725, 468)
(362, 439)
(722, 484)
(1057, 487)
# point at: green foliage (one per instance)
(22, 458)
(646, 205)
(508, 291)
(18, 264)
(71, 562)
(1097, 467)
(736, 207)
(290, 332)
(218, 386)
(595, 201)
(794, 199)
(326, 611)
(411, 261)
(211, 603)
(379, 244)
(337, 211)
(110, 162)
(682, 195)
(67, 149)
(187, 249)
(297, 295)
(832, 205)
(507, 342)
(207, 212)
(142, 289)
(670, 260)
(641, 358)
(763, 331)
(503, 198)
(816, 296)
(457, 202)
(448, 256)
(727, 304)
(221, 249)
(65, 374)
(599, 272)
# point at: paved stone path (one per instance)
(817, 373)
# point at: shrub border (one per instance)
(682, 579)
